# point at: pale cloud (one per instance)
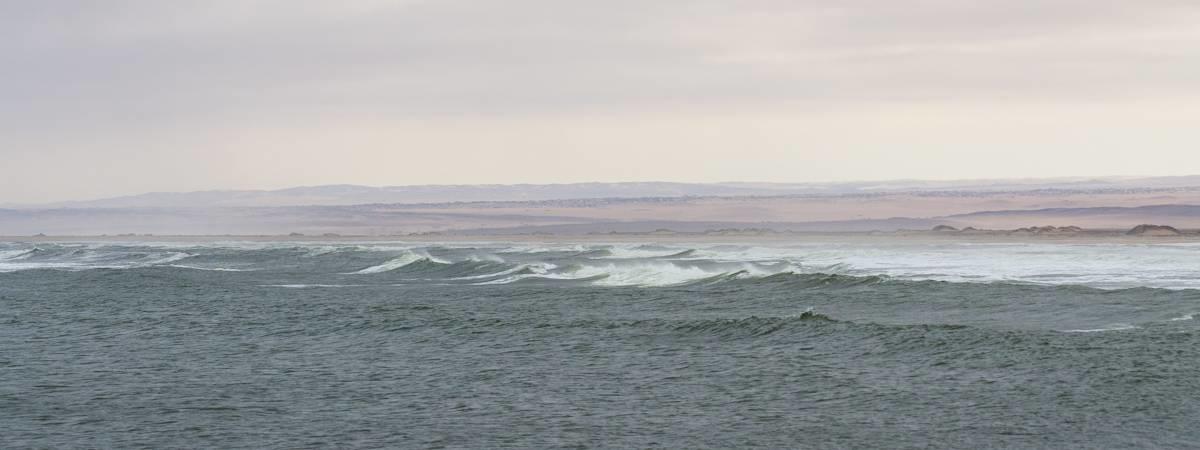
(116, 95)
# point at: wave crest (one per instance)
(409, 257)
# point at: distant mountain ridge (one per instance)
(1090, 217)
(331, 195)
(1146, 210)
(345, 194)
(1111, 203)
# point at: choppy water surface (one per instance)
(251, 345)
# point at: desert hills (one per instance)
(1021, 206)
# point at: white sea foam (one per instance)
(18, 267)
(641, 252)
(85, 258)
(321, 251)
(1182, 318)
(485, 257)
(211, 269)
(647, 273)
(166, 258)
(516, 278)
(1115, 327)
(1105, 266)
(549, 248)
(409, 257)
(534, 269)
(662, 273)
(10, 255)
(308, 286)
(642, 274)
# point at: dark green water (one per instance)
(146, 347)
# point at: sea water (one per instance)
(490, 345)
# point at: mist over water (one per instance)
(484, 345)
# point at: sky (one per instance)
(121, 97)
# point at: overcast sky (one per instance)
(101, 98)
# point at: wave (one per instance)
(674, 274)
(691, 326)
(485, 257)
(405, 260)
(805, 323)
(684, 254)
(524, 269)
(168, 258)
(646, 273)
(210, 269)
(663, 267)
(753, 325)
(309, 286)
(1109, 267)
(313, 252)
(639, 252)
(11, 255)
(536, 275)
(79, 257)
(816, 280)
(650, 273)
(1115, 327)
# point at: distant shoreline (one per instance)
(1087, 236)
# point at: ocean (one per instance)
(866, 344)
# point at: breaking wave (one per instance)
(80, 257)
(10, 255)
(1116, 327)
(800, 265)
(409, 258)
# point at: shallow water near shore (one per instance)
(486, 345)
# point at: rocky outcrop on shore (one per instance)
(1153, 230)
(1050, 229)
